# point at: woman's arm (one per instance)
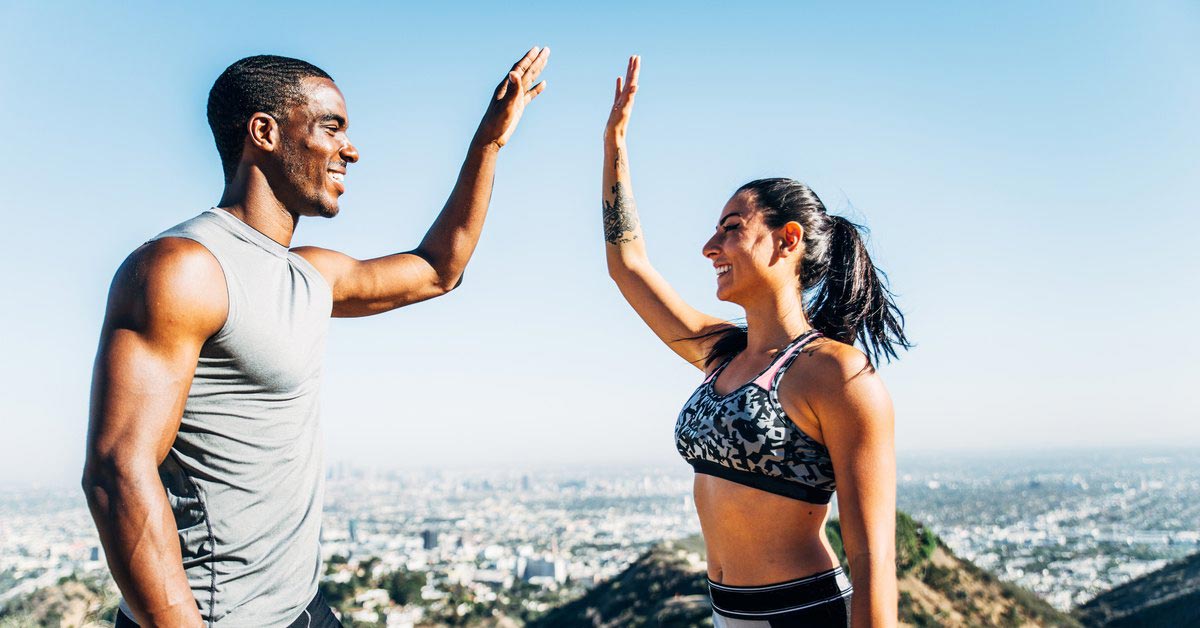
(856, 421)
(675, 322)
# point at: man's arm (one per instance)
(165, 301)
(435, 267)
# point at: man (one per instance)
(204, 472)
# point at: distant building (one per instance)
(546, 567)
(494, 577)
(353, 531)
(429, 539)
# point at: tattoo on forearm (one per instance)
(620, 217)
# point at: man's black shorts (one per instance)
(316, 615)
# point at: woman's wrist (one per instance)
(614, 139)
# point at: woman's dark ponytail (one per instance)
(852, 302)
(845, 296)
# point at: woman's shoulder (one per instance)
(833, 359)
(833, 383)
(827, 369)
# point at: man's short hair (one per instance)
(266, 83)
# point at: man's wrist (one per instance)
(184, 615)
(487, 147)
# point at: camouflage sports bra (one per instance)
(746, 437)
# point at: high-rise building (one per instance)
(429, 539)
(543, 567)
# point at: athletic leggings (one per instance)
(819, 601)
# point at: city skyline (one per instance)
(1025, 171)
(1066, 528)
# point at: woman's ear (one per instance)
(793, 237)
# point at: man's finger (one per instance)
(512, 86)
(536, 66)
(533, 93)
(523, 63)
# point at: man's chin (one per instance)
(325, 208)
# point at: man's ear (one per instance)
(263, 132)
(793, 237)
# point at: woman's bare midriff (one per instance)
(757, 538)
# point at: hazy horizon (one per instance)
(1020, 461)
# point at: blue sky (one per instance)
(1027, 171)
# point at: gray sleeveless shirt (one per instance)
(245, 475)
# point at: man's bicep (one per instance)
(365, 287)
(138, 391)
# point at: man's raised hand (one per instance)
(511, 95)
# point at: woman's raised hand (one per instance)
(618, 118)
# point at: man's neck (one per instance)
(250, 198)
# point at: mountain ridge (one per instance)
(1169, 596)
(667, 587)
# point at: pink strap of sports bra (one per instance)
(765, 380)
(767, 377)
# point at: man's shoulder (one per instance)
(170, 279)
(174, 258)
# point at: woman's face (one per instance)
(747, 254)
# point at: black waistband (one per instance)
(316, 615)
(759, 601)
(777, 486)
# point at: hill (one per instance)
(76, 602)
(1167, 597)
(666, 587)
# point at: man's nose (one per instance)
(349, 152)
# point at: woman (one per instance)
(789, 411)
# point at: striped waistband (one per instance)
(748, 602)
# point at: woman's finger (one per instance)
(627, 102)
